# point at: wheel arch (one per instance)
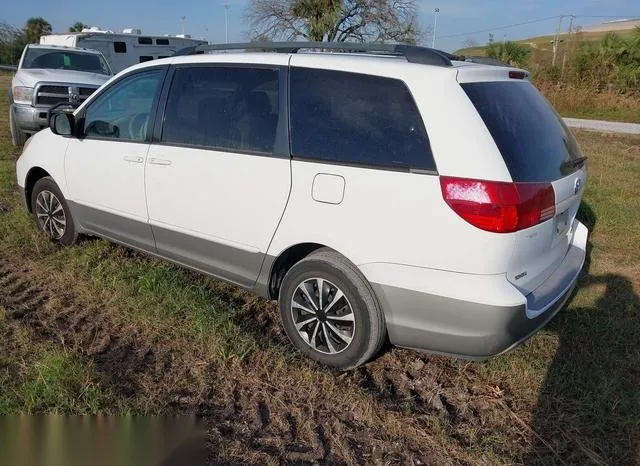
(33, 175)
(284, 261)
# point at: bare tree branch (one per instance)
(335, 20)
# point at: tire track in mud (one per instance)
(247, 423)
(240, 427)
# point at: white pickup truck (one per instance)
(49, 75)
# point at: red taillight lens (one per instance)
(498, 206)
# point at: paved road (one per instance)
(604, 126)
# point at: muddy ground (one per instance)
(249, 419)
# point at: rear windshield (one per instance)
(65, 60)
(534, 141)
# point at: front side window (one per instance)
(356, 119)
(219, 107)
(122, 112)
(55, 59)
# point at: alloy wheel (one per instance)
(50, 214)
(323, 316)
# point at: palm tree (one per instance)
(78, 26)
(36, 27)
(508, 52)
(321, 17)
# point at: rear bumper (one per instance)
(474, 317)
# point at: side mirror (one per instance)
(62, 124)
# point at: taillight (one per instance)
(498, 206)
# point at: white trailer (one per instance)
(123, 49)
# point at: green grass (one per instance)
(39, 377)
(544, 43)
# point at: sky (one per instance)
(206, 18)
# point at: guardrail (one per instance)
(8, 67)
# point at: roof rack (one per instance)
(413, 53)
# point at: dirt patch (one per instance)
(257, 411)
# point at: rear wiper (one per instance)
(575, 163)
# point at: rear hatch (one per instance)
(537, 147)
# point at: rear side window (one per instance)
(217, 107)
(533, 140)
(356, 119)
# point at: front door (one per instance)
(105, 165)
(218, 181)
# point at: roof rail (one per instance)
(413, 53)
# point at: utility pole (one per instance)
(564, 55)
(555, 40)
(435, 26)
(226, 23)
(183, 20)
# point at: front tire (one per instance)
(330, 312)
(18, 137)
(51, 212)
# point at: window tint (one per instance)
(144, 58)
(223, 107)
(120, 47)
(356, 118)
(532, 138)
(122, 112)
(145, 40)
(162, 41)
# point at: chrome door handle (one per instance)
(133, 158)
(155, 161)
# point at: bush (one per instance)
(511, 53)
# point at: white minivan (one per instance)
(377, 191)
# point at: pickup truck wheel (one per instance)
(18, 137)
(329, 311)
(52, 213)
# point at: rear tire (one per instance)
(18, 137)
(51, 212)
(342, 329)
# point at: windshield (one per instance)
(65, 60)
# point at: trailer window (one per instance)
(145, 41)
(120, 47)
(162, 41)
(144, 58)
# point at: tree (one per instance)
(335, 20)
(12, 42)
(78, 26)
(614, 61)
(36, 27)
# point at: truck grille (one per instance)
(49, 94)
